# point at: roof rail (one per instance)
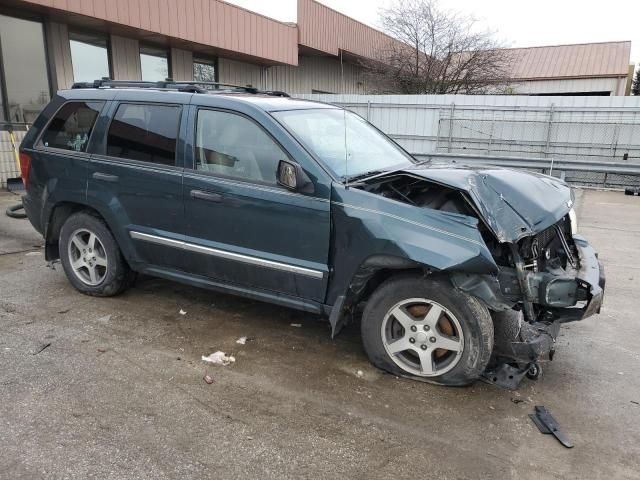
(192, 86)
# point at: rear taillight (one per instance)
(25, 167)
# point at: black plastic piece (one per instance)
(548, 425)
(505, 376)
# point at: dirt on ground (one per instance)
(115, 387)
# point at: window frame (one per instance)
(6, 124)
(194, 137)
(203, 59)
(39, 145)
(151, 47)
(102, 35)
(112, 116)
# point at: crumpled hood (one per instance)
(514, 204)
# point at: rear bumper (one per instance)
(32, 209)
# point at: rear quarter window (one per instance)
(71, 126)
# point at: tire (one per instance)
(467, 342)
(112, 273)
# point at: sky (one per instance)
(516, 23)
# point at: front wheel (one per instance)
(424, 327)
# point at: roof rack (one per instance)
(181, 86)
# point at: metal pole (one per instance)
(451, 113)
(368, 110)
(549, 129)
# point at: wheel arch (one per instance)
(371, 273)
(58, 215)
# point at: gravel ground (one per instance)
(113, 388)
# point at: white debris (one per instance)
(182, 312)
(242, 340)
(32, 254)
(297, 325)
(219, 358)
(360, 373)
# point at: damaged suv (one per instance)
(457, 272)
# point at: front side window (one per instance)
(24, 69)
(154, 63)
(147, 133)
(71, 127)
(89, 57)
(344, 141)
(232, 145)
(204, 70)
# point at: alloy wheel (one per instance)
(88, 257)
(422, 337)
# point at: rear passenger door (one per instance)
(240, 225)
(135, 179)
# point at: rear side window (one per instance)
(144, 132)
(71, 127)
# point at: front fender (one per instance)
(367, 226)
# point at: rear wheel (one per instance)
(91, 257)
(424, 327)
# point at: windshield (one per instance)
(348, 152)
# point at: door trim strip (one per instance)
(214, 252)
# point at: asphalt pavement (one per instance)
(113, 388)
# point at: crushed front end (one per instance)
(544, 280)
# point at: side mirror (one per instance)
(290, 175)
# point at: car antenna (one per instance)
(346, 152)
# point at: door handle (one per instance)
(105, 177)
(207, 196)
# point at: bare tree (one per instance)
(432, 50)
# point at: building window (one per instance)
(24, 79)
(89, 56)
(154, 63)
(204, 70)
(146, 133)
(71, 127)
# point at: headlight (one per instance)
(573, 218)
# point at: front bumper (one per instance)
(574, 296)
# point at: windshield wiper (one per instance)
(374, 173)
(363, 175)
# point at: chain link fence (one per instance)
(8, 164)
(551, 134)
(600, 133)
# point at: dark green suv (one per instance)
(456, 272)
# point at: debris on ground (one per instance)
(360, 373)
(219, 358)
(41, 348)
(182, 312)
(633, 401)
(545, 422)
(208, 379)
(517, 400)
(32, 254)
(242, 340)
(66, 310)
(102, 350)
(297, 325)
